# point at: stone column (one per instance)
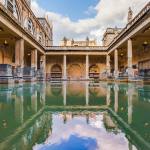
(87, 67)
(108, 65)
(34, 59)
(43, 65)
(65, 67)
(87, 93)
(130, 69)
(19, 57)
(17, 53)
(116, 73)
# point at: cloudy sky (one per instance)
(81, 18)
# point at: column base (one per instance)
(116, 75)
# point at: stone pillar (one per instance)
(34, 59)
(116, 90)
(43, 65)
(130, 69)
(87, 93)
(65, 67)
(116, 73)
(87, 68)
(108, 65)
(19, 54)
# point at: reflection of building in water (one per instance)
(116, 90)
(42, 94)
(131, 91)
(81, 93)
(54, 94)
(97, 94)
(144, 94)
(19, 105)
(76, 93)
(108, 122)
(40, 129)
(34, 102)
(108, 100)
(71, 115)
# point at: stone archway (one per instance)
(75, 72)
(94, 71)
(56, 71)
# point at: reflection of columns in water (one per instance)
(116, 89)
(130, 107)
(24, 142)
(87, 118)
(34, 101)
(108, 95)
(87, 93)
(19, 110)
(130, 146)
(65, 93)
(42, 94)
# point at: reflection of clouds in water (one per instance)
(77, 126)
(73, 143)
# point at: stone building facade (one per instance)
(27, 52)
(87, 42)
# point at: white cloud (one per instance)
(77, 126)
(109, 13)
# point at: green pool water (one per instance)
(75, 116)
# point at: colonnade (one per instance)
(116, 61)
(20, 58)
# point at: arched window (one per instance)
(30, 26)
(40, 37)
(13, 8)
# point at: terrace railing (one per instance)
(76, 48)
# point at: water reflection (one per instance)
(18, 103)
